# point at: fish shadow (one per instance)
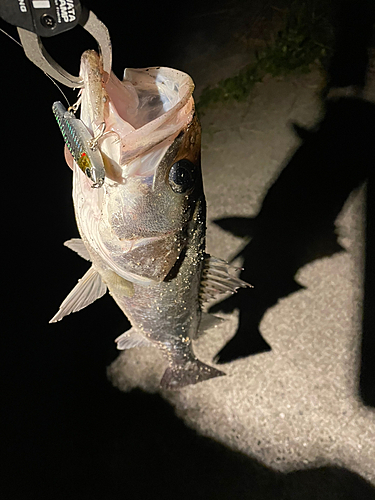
(296, 223)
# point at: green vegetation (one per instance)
(305, 38)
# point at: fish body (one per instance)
(144, 230)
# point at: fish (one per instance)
(144, 230)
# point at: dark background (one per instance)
(68, 434)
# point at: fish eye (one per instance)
(181, 176)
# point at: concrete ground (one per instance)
(296, 405)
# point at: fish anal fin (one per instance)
(88, 289)
(216, 279)
(207, 322)
(177, 376)
(131, 339)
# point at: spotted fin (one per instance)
(131, 339)
(89, 288)
(77, 245)
(216, 279)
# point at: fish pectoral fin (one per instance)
(89, 288)
(216, 279)
(131, 339)
(77, 245)
(207, 322)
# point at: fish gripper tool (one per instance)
(46, 18)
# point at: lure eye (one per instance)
(88, 172)
(181, 176)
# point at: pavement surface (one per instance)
(293, 402)
(296, 405)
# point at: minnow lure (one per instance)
(81, 144)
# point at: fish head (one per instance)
(137, 223)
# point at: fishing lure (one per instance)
(81, 144)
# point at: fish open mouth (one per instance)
(148, 107)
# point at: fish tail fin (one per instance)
(177, 376)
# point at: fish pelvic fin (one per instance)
(177, 376)
(131, 339)
(216, 279)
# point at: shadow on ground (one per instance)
(296, 223)
(296, 226)
(118, 446)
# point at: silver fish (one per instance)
(144, 230)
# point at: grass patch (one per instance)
(305, 38)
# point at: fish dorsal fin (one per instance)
(89, 288)
(77, 245)
(216, 279)
(131, 339)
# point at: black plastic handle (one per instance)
(43, 17)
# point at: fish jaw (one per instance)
(93, 96)
(149, 106)
(137, 223)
